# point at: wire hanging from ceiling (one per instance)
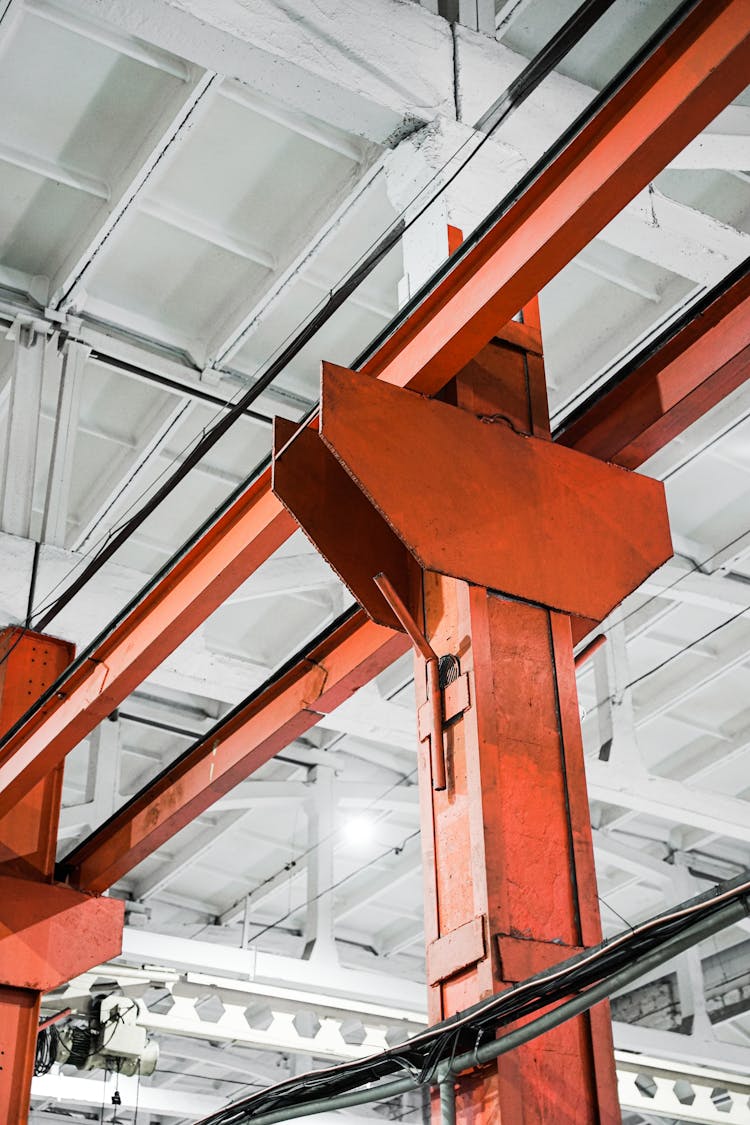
(584, 17)
(582, 20)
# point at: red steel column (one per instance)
(48, 933)
(508, 858)
(28, 835)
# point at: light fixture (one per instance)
(358, 829)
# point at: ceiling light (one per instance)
(358, 830)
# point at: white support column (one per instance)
(320, 945)
(478, 15)
(55, 521)
(105, 753)
(412, 176)
(689, 967)
(475, 171)
(24, 407)
(623, 750)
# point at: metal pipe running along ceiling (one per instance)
(470, 1038)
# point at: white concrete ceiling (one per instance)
(179, 195)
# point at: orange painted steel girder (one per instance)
(689, 375)
(100, 849)
(510, 887)
(236, 546)
(48, 933)
(531, 518)
(696, 73)
(684, 84)
(502, 537)
(332, 671)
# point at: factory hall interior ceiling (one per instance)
(182, 183)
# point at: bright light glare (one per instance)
(358, 830)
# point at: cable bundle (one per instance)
(426, 1056)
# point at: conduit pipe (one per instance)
(699, 931)
(448, 1102)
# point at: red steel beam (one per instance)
(320, 681)
(114, 849)
(699, 69)
(216, 566)
(689, 375)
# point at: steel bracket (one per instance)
(457, 950)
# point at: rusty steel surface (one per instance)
(435, 695)
(344, 654)
(244, 538)
(311, 483)
(588, 651)
(701, 67)
(29, 663)
(530, 519)
(477, 492)
(694, 371)
(331, 672)
(48, 933)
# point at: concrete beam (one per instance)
(371, 70)
(141, 947)
(72, 1090)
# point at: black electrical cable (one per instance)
(466, 1031)
(196, 736)
(224, 423)
(624, 74)
(46, 1050)
(505, 1004)
(393, 849)
(518, 91)
(690, 314)
(193, 392)
(337, 298)
(87, 653)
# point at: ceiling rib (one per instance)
(179, 112)
(679, 89)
